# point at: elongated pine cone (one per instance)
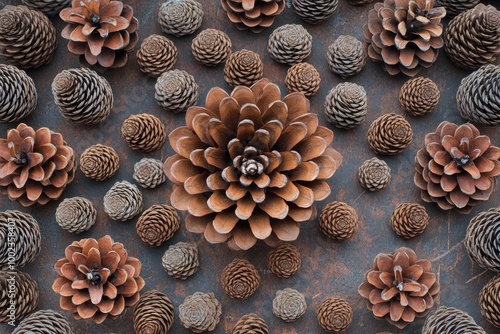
(240, 279)
(200, 312)
(252, 14)
(399, 287)
(289, 44)
(180, 17)
(149, 173)
(44, 321)
(346, 105)
(302, 77)
(35, 166)
(123, 201)
(265, 163)
(99, 162)
(21, 230)
(284, 260)
(25, 297)
(211, 47)
(243, 68)
(389, 134)
(97, 279)
(250, 324)
(455, 7)
(181, 260)
(374, 174)
(144, 132)
(338, 220)
(334, 315)
(449, 320)
(48, 7)
(153, 314)
(489, 301)
(157, 224)
(18, 95)
(409, 220)
(419, 96)
(456, 167)
(176, 91)
(346, 56)
(289, 304)
(314, 11)
(76, 214)
(156, 55)
(27, 37)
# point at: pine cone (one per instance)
(82, 95)
(25, 297)
(265, 163)
(346, 105)
(97, 279)
(157, 224)
(449, 320)
(44, 321)
(176, 91)
(123, 201)
(284, 261)
(200, 312)
(419, 96)
(338, 220)
(35, 166)
(240, 279)
(76, 214)
(48, 7)
(253, 14)
(314, 11)
(22, 230)
(149, 173)
(489, 301)
(399, 288)
(456, 167)
(289, 44)
(144, 132)
(289, 304)
(389, 134)
(359, 2)
(374, 174)
(243, 68)
(409, 220)
(405, 37)
(250, 324)
(181, 260)
(157, 54)
(478, 97)
(153, 314)
(302, 77)
(99, 162)
(455, 7)
(346, 56)
(27, 37)
(472, 39)
(211, 47)
(180, 17)
(334, 315)
(17, 94)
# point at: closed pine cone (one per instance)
(489, 301)
(389, 134)
(176, 91)
(99, 162)
(284, 260)
(27, 37)
(289, 44)
(449, 320)
(240, 279)
(26, 295)
(314, 11)
(253, 14)
(156, 55)
(289, 304)
(409, 220)
(250, 324)
(153, 314)
(359, 2)
(303, 77)
(334, 315)
(149, 173)
(243, 68)
(346, 105)
(200, 312)
(44, 321)
(181, 260)
(338, 220)
(374, 174)
(144, 132)
(48, 7)
(455, 7)
(211, 47)
(157, 224)
(180, 17)
(18, 95)
(419, 96)
(346, 56)
(76, 214)
(123, 201)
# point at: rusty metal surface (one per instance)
(329, 268)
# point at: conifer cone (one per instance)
(123, 201)
(18, 95)
(156, 55)
(153, 314)
(346, 56)
(149, 173)
(302, 77)
(489, 301)
(409, 220)
(211, 47)
(389, 134)
(157, 224)
(314, 11)
(449, 320)
(289, 44)
(419, 96)
(289, 304)
(338, 220)
(99, 162)
(82, 95)
(27, 239)
(76, 214)
(48, 7)
(334, 315)
(359, 2)
(472, 39)
(253, 14)
(455, 7)
(243, 68)
(27, 37)
(176, 91)
(44, 321)
(180, 17)
(374, 174)
(284, 260)
(240, 279)
(250, 324)
(200, 312)
(181, 260)
(26, 295)
(144, 132)
(346, 105)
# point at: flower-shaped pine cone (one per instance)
(289, 304)
(243, 68)
(240, 279)
(123, 201)
(153, 314)
(346, 56)
(314, 11)
(99, 162)
(157, 224)
(181, 260)
(44, 321)
(200, 312)
(389, 134)
(284, 260)
(180, 17)
(76, 214)
(250, 324)
(253, 14)
(211, 47)
(18, 95)
(156, 55)
(176, 90)
(289, 44)
(489, 301)
(455, 7)
(338, 220)
(334, 315)
(26, 295)
(409, 220)
(144, 132)
(449, 320)
(374, 174)
(149, 173)
(419, 96)
(346, 105)
(303, 77)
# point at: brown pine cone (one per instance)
(374, 174)
(144, 132)
(253, 14)
(157, 54)
(303, 77)
(409, 220)
(489, 301)
(17, 94)
(243, 68)
(338, 220)
(314, 11)
(240, 279)
(153, 314)
(419, 96)
(284, 260)
(211, 47)
(346, 105)
(157, 224)
(346, 56)
(123, 201)
(481, 239)
(149, 173)
(334, 315)
(176, 91)
(200, 312)
(449, 320)
(25, 297)
(180, 17)
(27, 37)
(289, 304)
(389, 134)
(359, 2)
(48, 7)
(44, 321)
(76, 214)
(181, 260)
(455, 7)
(250, 324)
(289, 44)
(99, 162)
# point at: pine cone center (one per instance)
(94, 277)
(20, 158)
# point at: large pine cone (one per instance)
(253, 14)
(243, 68)
(17, 94)
(211, 47)
(44, 321)
(156, 55)
(374, 174)
(250, 324)
(101, 32)
(48, 7)
(346, 56)
(456, 167)
(334, 315)
(27, 37)
(76, 214)
(455, 7)
(449, 320)
(97, 279)
(389, 134)
(284, 260)
(489, 301)
(240, 279)
(399, 288)
(149, 173)
(200, 312)
(409, 220)
(99, 162)
(180, 17)
(123, 201)
(144, 132)
(176, 91)
(404, 34)
(153, 314)
(314, 11)
(303, 77)
(35, 166)
(25, 298)
(265, 163)
(181, 260)
(346, 105)
(289, 304)
(419, 96)
(289, 44)
(157, 224)
(338, 220)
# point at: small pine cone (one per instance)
(346, 105)
(243, 68)
(409, 220)
(181, 260)
(489, 301)
(27, 37)
(240, 279)
(153, 314)
(99, 162)
(25, 297)
(289, 304)
(200, 312)
(359, 2)
(144, 132)
(176, 90)
(338, 220)
(250, 324)
(44, 321)
(449, 320)
(374, 174)
(346, 56)
(48, 7)
(314, 11)
(180, 17)
(284, 260)
(149, 173)
(289, 44)
(17, 94)
(419, 96)
(303, 77)
(156, 55)
(334, 315)
(481, 239)
(455, 7)
(157, 224)
(389, 134)
(211, 47)
(76, 214)
(27, 239)
(123, 201)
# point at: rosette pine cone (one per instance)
(157, 224)
(18, 95)
(153, 314)
(284, 260)
(289, 304)
(389, 134)
(399, 287)
(180, 17)
(200, 312)
(156, 55)
(404, 34)
(449, 320)
(346, 105)
(455, 7)
(149, 173)
(374, 174)
(144, 132)
(123, 201)
(346, 56)
(211, 47)
(338, 220)
(176, 90)
(35, 166)
(181, 260)
(44, 321)
(250, 165)
(314, 11)
(48, 7)
(302, 77)
(250, 324)
(456, 167)
(240, 279)
(99, 162)
(25, 297)
(243, 68)
(334, 315)
(253, 14)
(76, 214)
(97, 279)
(289, 44)
(419, 96)
(489, 301)
(409, 220)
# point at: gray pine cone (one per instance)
(17, 94)
(176, 91)
(123, 201)
(157, 54)
(26, 297)
(449, 320)
(180, 17)
(76, 214)
(289, 304)
(374, 174)
(314, 11)
(44, 322)
(455, 7)
(489, 301)
(289, 44)
(346, 105)
(200, 312)
(346, 56)
(211, 47)
(149, 173)
(48, 7)
(181, 260)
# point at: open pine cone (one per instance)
(181, 260)
(200, 312)
(211, 47)
(250, 165)
(44, 321)
(250, 324)
(153, 314)
(489, 301)
(18, 95)
(157, 224)
(253, 14)
(25, 298)
(99, 162)
(419, 96)
(389, 134)
(314, 11)
(334, 315)
(449, 320)
(289, 304)
(240, 279)
(284, 260)
(76, 214)
(374, 174)
(409, 220)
